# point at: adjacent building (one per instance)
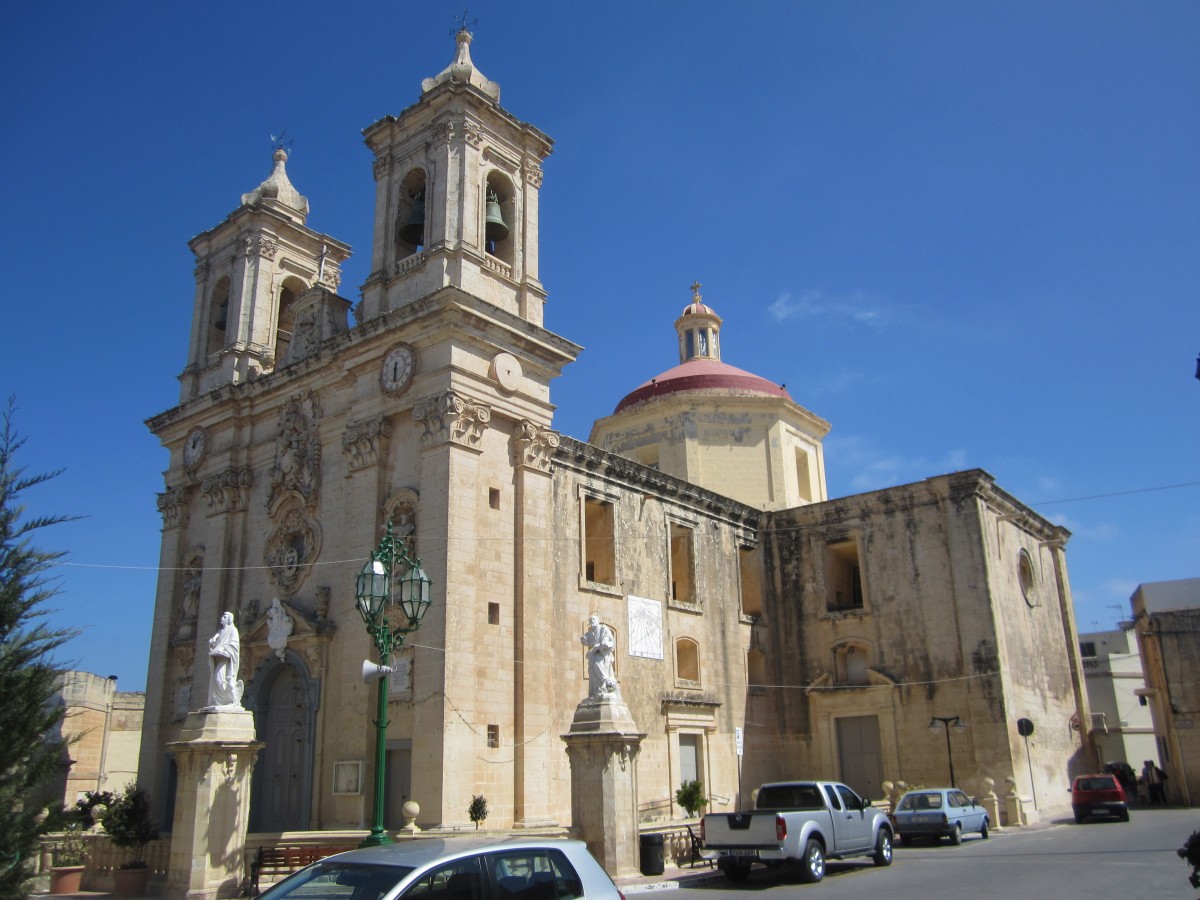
(764, 630)
(1166, 619)
(1121, 720)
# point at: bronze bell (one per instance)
(495, 228)
(413, 229)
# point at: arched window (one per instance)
(499, 217)
(687, 662)
(411, 214)
(285, 324)
(218, 316)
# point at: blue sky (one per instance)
(966, 234)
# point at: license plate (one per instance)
(1099, 810)
(921, 820)
(742, 853)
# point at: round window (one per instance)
(1025, 577)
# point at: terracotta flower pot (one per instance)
(65, 879)
(131, 882)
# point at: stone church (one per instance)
(764, 630)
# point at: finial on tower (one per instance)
(462, 69)
(463, 24)
(696, 292)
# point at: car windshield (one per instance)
(338, 881)
(1097, 784)
(924, 800)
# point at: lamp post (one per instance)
(947, 722)
(390, 577)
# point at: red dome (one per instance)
(702, 375)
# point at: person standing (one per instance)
(1155, 779)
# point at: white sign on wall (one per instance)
(400, 681)
(645, 628)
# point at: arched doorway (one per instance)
(285, 702)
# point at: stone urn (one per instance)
(66, 879)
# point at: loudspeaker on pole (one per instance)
(373, 671)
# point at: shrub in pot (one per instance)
(128, 822)
(70, 858)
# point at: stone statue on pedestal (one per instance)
(601, 644)
(224, 660)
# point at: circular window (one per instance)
(1025, 577)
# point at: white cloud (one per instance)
(1092, 531)
(875, 468)
(856, 308)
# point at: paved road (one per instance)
(1060, 860)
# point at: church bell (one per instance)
(413, 229)
(495, 228)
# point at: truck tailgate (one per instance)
(732, 831)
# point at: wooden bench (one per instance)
(286, 860)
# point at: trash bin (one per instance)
(652, 854)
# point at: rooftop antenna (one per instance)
(463, 23)
(279, 142)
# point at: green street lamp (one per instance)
(390, 577)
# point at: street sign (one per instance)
(1024, 727)
(737, 739)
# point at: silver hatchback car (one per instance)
(454, 869)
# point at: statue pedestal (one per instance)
(602, 747)
(215, 757)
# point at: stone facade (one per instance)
(742, 599)
(1166, 618)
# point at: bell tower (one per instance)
(251, 272)
(456, 197)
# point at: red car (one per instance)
(1098, 795)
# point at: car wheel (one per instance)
(737, 873)
(812, 866)
(883, 848)
(956, 835)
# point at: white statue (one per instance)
(224, 660)
(279, 628)
(601, 644)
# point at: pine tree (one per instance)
(32, 749)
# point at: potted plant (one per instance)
(128, 822)
(70, 859)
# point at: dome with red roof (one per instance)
(705, 375)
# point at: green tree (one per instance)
(32, 751)
(478, 810)
(691, 797)
(130, 824)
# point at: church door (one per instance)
(281, 778)
(859, 754)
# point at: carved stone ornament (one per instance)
(363, 441)
(451, 417)
(189, 602)
(443, 133)
(259, 245)
(533, 173)
(533, 446)
(331, 275)
(173, 504)
(291, 548)
(472, 133)
(227, 491)
(381, 167)
(297, 464)
(279, 628)
(201, 271)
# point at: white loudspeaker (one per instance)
(374, 671)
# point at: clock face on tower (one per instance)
(398, 369)
(195, 447)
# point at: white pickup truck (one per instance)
(802, 822)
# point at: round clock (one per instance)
(506, 371)
(194, 447)
(398, 369)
